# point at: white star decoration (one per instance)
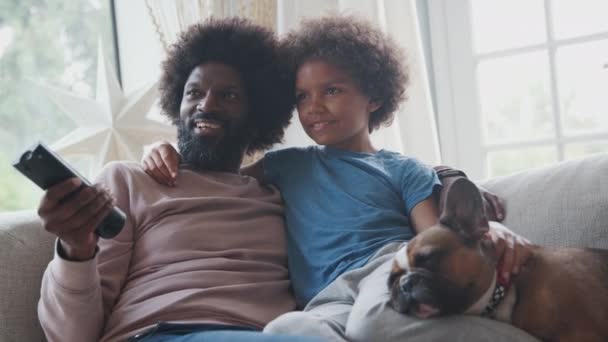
(113, 126)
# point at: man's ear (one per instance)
(464, 212)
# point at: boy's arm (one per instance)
(255, 170)
(424, 215)
(162, 160)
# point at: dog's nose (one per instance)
(403, 300)
(406, 284)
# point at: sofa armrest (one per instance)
(562, 205)
(25, 251)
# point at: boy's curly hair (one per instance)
(370, 57)
(254, 52)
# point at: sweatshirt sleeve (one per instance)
(77, 297)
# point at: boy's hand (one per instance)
(162, 163)
(72, 213)
(512, 250)
(493, 205)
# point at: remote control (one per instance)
(45, 168)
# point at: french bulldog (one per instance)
(560, 294)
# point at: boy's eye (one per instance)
(301, 97)
(332, 91)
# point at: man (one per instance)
(205, 261)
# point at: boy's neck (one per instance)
(364, 146)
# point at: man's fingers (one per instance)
(91, 210)
(94, 221)
(54, 194)
(65, 224)
(57, 219)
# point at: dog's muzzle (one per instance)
(415, 293)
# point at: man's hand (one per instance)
(72, 214)
(493, 205)
(512, 250)
(161, 163)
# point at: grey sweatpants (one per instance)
(355, 307)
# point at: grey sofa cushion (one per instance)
(563, 205)
(25, 250)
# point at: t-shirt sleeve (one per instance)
(418, 183)
(281, 165)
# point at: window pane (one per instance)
(500, 24)
(52, 42)
(582, 72)
(501, 163)
(515, 98)
(573, 18)
(584, 149)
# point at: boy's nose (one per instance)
(316, 106)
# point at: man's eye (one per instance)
(193, 92)
(230, 95)
(332, 91)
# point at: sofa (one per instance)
(564, 204)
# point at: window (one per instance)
(52, 42)
(520, 83)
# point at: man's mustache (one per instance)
(209, 116)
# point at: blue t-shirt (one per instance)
(341, 207)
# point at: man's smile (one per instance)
(208, 127)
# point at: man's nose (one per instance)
(208, 103)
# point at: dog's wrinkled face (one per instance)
(448, 267)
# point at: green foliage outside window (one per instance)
(53, 42)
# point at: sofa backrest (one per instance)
(25, 251)
(563, 205)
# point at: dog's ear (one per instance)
(463, 211)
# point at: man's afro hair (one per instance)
(254, 52)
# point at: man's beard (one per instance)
(210, 153)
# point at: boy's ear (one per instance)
(373, 105)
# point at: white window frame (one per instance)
(458, 106)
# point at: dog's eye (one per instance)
(422, 258)
(426, 259)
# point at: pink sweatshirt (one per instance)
(210, 250)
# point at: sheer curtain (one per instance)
(170, 17)
(414, 131)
